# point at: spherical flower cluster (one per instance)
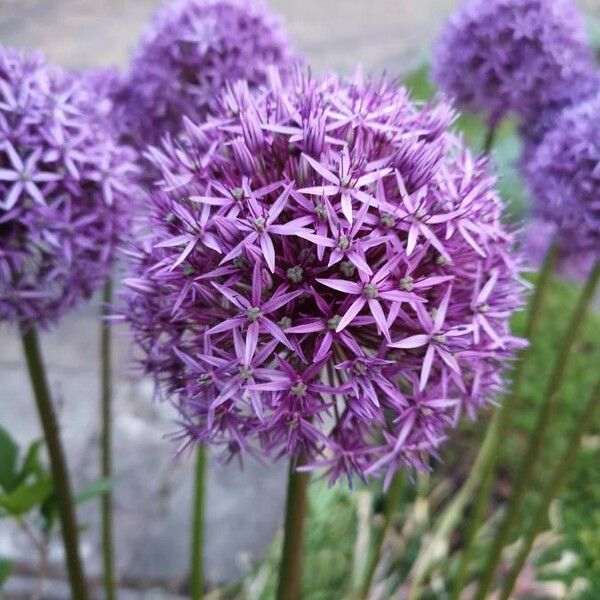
(521, 56)
(564, 177)
(106, 84)
(536, 240)
(325, 274)
(190, 50)
(63, 189)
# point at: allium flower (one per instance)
(325, 273)
(564, 177)
(521, 56)
(106, 84)
(536, 240)
(190, 50)
(63, 190)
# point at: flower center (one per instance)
(344, 243)
(254, 314)
(347, 268)
(333, 322)
(295, 274)
(259, 224)
(387, 220)
(238, 193)
(359, 368)
(370, 291)
(245, 373)
(299, 389)
(407, 283)
(321, 211)
(285, 322)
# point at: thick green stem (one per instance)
(290, 569)
(58, 464)
(379, 534)
(536, 440)
(561, 472)
(106, 441)
(500, 422)
(197, 549)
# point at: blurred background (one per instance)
(153, 495)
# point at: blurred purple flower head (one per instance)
(536, 240)
(190, 50)
(64, 189)
(325, 273)
(564, 176)
(521, 56)
(106, 84)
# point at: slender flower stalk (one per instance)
(490, 137)
(561, 472)
(534, 447)
(290, 569)
(197, 546)
(58, 464)
(106, 391)
(496, 431)
(379, 534)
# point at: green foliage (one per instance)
(9, 453)
(330, 539)
(5, 571)
(27, 490)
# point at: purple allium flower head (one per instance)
(63, 191)
(521, 56)
(190, 50)
(106, 85)
(326, 273)
(564, 177)
(536, 240)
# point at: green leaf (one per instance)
(9, 452)
(95, 489)
(48, 513)
(5, 570)
(26, 496)
(31, 464)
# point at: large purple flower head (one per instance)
(190, 50)
(326, 274)
(521, 56)
(63, 191)
(564, 177)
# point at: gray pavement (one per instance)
(153, 495)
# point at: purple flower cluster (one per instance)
(564, 177)
(190, 50)
(530, 57)
(63, 189)
(325, 273)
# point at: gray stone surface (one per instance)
(153, 496)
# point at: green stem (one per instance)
(490, 136)
(536, 440)
(197, 550)
(290, 569)
(58, 464)
(106, 441)
(391, 500)
(561, 473)
(500, 420)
